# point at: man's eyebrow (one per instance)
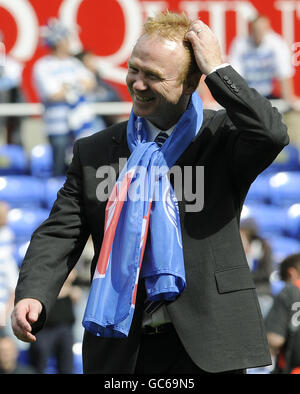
(147, 70)
(131, 65)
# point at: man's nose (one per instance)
(139, 83)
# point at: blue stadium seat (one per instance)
(77, 358)
(287, 160)
(293, 221)
(41, 161)
(13, 160)
(285, 188)
(23, 357)
(52, 186)
(21, 190)
(276, 287)
(23, 221)
(276, 283)
(269, 219)
(259, 191)
(283, 246)
(51, 368)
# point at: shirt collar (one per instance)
(153, 131)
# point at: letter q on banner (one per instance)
(133, 18)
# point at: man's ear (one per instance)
(191, 83)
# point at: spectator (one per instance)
(62, 83)
(259, 257)
(56, 340)
(10, 92)
(8, 269)
(262, 57)
(9, 357)
(283, 320)
(102, 92)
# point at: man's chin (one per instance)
(142, 110)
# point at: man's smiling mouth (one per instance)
(143, 99)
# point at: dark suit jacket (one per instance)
(217, 317)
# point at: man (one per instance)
(62, 83)
(283, 320)
(260, 260)
(56, 338)
(210, 319)
(262, 58)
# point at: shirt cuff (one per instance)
(220, 66)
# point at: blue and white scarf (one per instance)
(142, 224)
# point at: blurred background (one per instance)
(62, 76)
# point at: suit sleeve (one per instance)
(255, 132)
(57, 244)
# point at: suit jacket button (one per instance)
(225, 78)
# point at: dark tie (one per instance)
(161, 138)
